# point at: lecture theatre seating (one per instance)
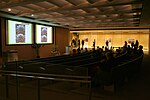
(80, 65)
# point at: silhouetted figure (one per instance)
(74, 52)
(79, 43)
(103, 75)
(125, 44)
(132, 45)
(107, 44)
(78, 51)
(73, 42)
(94, 44)
(109, 63)
(103, 48)
(86, 50)
(106, 49)
(136, 44)
(129, 49)
(82, 42)
(124, 49)
(140, 50)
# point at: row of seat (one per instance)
(50, 65)
(125, 71)
(81, 65)
(84, 60)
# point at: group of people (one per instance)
(109, 61)
(107, 56)
(133, 49)
(76, 43)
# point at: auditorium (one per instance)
(74, 49)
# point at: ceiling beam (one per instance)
(18, 3)
(71, 2)
(72, 8)
(102, 13)
(85, 19)
(6, 15)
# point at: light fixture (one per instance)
(32, 15)
(9, 9)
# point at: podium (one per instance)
(68, 50)
(11, 55)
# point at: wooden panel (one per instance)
(101, 39)
(144, 40)
(117, 37)
(62, 39)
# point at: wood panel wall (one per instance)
(27, 52)
(62, 39)
(117, 37)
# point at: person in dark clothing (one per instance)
(125, 44)
(103, 76)
(74, 52)
(132, 44)
(109, 62)
(107, 43)
(94, 44)
(136, 43)
(78, 51)
(140, 50)
(86, 50)
(73, 42)
(78, 43)
(82, 43)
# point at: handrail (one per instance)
(49, 78)
(46, 64)
(41, 76)
(70, 57)
(48, 75)
(131, 60)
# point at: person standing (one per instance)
(94, 44)
(136, 44)
(78, 43)
(82, 43)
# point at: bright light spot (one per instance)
(9, 9)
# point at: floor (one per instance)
(137, 88)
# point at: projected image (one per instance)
(20, 33)
(43, 34)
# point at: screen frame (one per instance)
(7, 30)
(35, 35)
(0, 38)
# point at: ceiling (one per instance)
(75, 13)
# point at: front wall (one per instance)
(117, 37)
(27, 52)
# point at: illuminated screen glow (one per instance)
(19, 32)
(43, 34)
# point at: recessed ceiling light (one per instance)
(9, 9)
(134, 13)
